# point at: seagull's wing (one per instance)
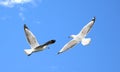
(87, 27)
(30, 37)
(69, 45)
(46, 44)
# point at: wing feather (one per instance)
(87, 27)
(30, 37)
(69, 45)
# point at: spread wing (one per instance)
(87, 27)
(30, 37)
(69, 45)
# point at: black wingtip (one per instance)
(49, 42)
(25, 26)
(94, 18)
(53, 41)
(59, 53)
(29, 55)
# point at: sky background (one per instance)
(58, 19)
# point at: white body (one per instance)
(80, 37)
(35, 46)
(32, 50)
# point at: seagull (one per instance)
(80, 37)
(35, 46)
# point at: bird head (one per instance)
(72, 36)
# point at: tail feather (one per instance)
(28, 51)
(86, 41)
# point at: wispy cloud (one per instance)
(21, 13)
(22, 16)
(12, 3)
(19, 4)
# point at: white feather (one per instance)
(85, 41)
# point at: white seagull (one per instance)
(35, 46)
(80, 37)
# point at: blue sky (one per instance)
(57, 19)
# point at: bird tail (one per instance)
(28, 51)
(86, 41)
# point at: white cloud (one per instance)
(19, 4)
(12, 3)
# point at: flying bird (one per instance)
(35, 46)
(80, 37)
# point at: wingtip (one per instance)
(94, 18)
(29, 55)
(25, 26)
(58, 53)
(53, 41)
